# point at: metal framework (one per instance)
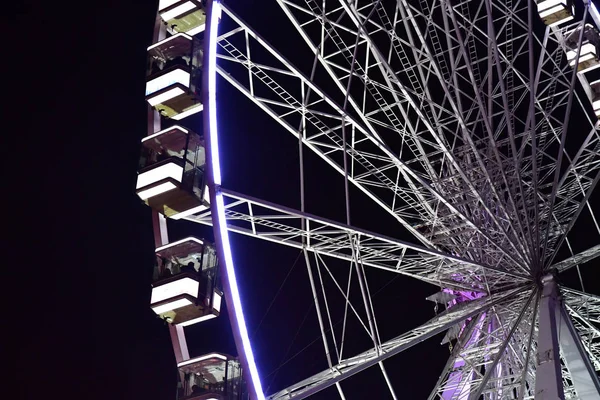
(472, 125)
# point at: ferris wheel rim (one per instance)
(216, 198)
(236, 314)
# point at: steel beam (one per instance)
(268, 221)
(577, 259)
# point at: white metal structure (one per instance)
(472, 124)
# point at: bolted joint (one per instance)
(545, 357)
(549, 276)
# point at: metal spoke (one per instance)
(392, 347)
(475, 129)
(577, 259)
(250, 216)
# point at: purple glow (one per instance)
(455, 378)
(462, 296)
(218, 204)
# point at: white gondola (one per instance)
(173, 84)
(214, 376)
(185, 289)
(588, 55)
(171, 176)
(555, 12)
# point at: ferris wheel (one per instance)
(473, 125)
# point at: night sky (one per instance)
(82, 263)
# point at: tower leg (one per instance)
(585, 380)
(548, 379)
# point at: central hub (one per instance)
(545, 277)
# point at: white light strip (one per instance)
(202, 358)
(542, 5)
(156, 190)
(216, 301)
(168, 95)
(189, 112)
(164, 171)
(191, 211)
(177, 11)
(197, 320)
(181, 34)
(162, 4)
(211, 70)
(550, 11)
(175, 76)
(165, 130)
(175, 288)
(173, 305)
(188, 239)
(207, 195)
(595, 95)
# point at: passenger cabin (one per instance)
(188, 16)
(171, 175)
(173, 86)
(555, 12)
(588, 57)
(595, 86)
(186, 287)
(212, 376)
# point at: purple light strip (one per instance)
(219, 220)
(595, 14)
(455, 379)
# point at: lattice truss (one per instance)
(283, 225)
(464, 121)
(584, 310)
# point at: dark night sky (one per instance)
(81, 315)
